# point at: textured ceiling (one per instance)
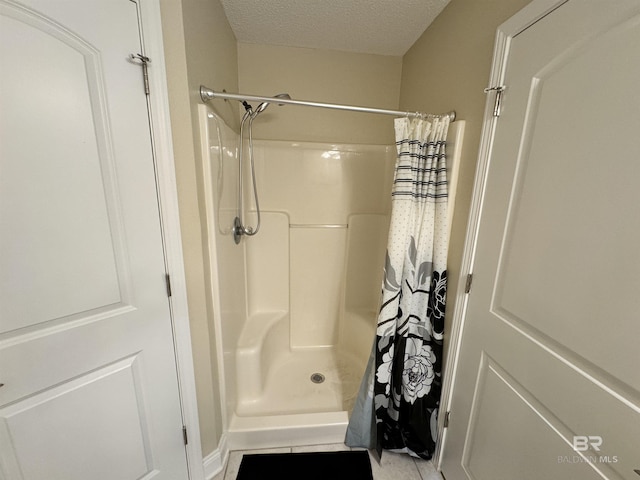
(384, 27)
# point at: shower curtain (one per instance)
(397, 405)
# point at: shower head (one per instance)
(262, 107)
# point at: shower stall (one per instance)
(295, 305)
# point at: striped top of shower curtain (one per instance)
(421, 171)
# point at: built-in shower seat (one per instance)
(264, 337)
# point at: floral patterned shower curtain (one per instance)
(397, 405)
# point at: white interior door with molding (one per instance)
(88, 374)
(547, 382)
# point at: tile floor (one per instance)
(393, 466)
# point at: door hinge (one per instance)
(446, 419)
(143, 61)
(184, 435)
(497, 101)
(167, 279)
(467, 285)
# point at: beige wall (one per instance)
(447, 69)
(324, 76)
(199, 48)
(212, 57)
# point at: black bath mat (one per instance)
(306, 466)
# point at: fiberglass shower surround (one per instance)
(206, 94)
(297, 302)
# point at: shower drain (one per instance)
(317, 378)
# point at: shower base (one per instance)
(289, 386)
(294, 410)
(289, 396)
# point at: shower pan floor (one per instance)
(290, 387)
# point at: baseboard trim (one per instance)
(215, 462)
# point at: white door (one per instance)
(548, 378)
(89, 385)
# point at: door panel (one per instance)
(99, 412)
(55, 194)
(573, 182)
(547, 383)
(86, 348)
(507, 416)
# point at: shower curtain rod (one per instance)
(207, 94)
